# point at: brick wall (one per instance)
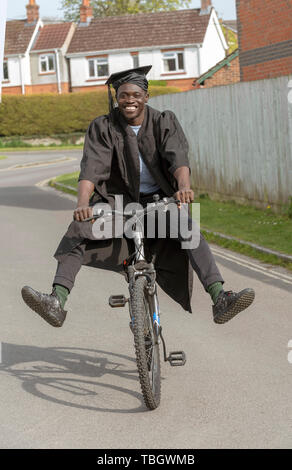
(265, 38)
(46, 88)
(225, 76)
(84, 89)
(271, 69)
(12, 90)
(184, 84)
(36, 89)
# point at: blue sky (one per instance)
(16, 8)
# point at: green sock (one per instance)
(214, 290)
(62, 293)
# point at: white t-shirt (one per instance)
(147, 182)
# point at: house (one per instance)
(62, 57)
(49, 66)
(180, 45)
(226, 72)
(265, 38)
(35, 55)
(20, 35)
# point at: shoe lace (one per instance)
(224, 297)
(54, 292)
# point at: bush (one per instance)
(50, 114)
(157, 83)
(14, 143)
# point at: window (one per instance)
(5, 70)
(47, 63)
(98, 67)
(135, 59)
(173, 61)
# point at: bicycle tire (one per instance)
(146, 344)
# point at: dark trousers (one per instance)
(201, 259)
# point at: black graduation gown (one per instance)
(111, 161)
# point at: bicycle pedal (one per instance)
(117, 301)
(177, 358)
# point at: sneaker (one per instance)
(46, 305)
(230, 303)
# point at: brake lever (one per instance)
(94, 217)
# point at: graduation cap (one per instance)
(136, 76)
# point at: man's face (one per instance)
(131, 101)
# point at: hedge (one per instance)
(157, 83)
(51, 114)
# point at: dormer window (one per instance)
(47, 63)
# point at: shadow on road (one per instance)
(33, 198)
(70, 376)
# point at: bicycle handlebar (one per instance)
(157, 203)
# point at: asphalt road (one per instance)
(77, 386)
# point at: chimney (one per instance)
(206, 6)
(32, 12)
(85, 12)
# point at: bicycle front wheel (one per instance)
(146, 343)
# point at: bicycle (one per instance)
(144, 308)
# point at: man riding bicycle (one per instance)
(134, 151)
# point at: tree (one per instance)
(100, 8)
(231, 39)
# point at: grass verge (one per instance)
(246, 223)
(67, 183)
(262, 227)
(246, 250)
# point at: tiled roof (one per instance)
(18, 36)
(141, 30)
(51, 36)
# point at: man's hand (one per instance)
(185, 195)
(82, 212)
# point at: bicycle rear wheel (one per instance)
(146, 344)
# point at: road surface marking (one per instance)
(254, 267)
(37, 164)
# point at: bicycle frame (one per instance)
(140, 267)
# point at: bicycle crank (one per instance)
(175, 358)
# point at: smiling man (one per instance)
(132, 101)
(134, 151)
